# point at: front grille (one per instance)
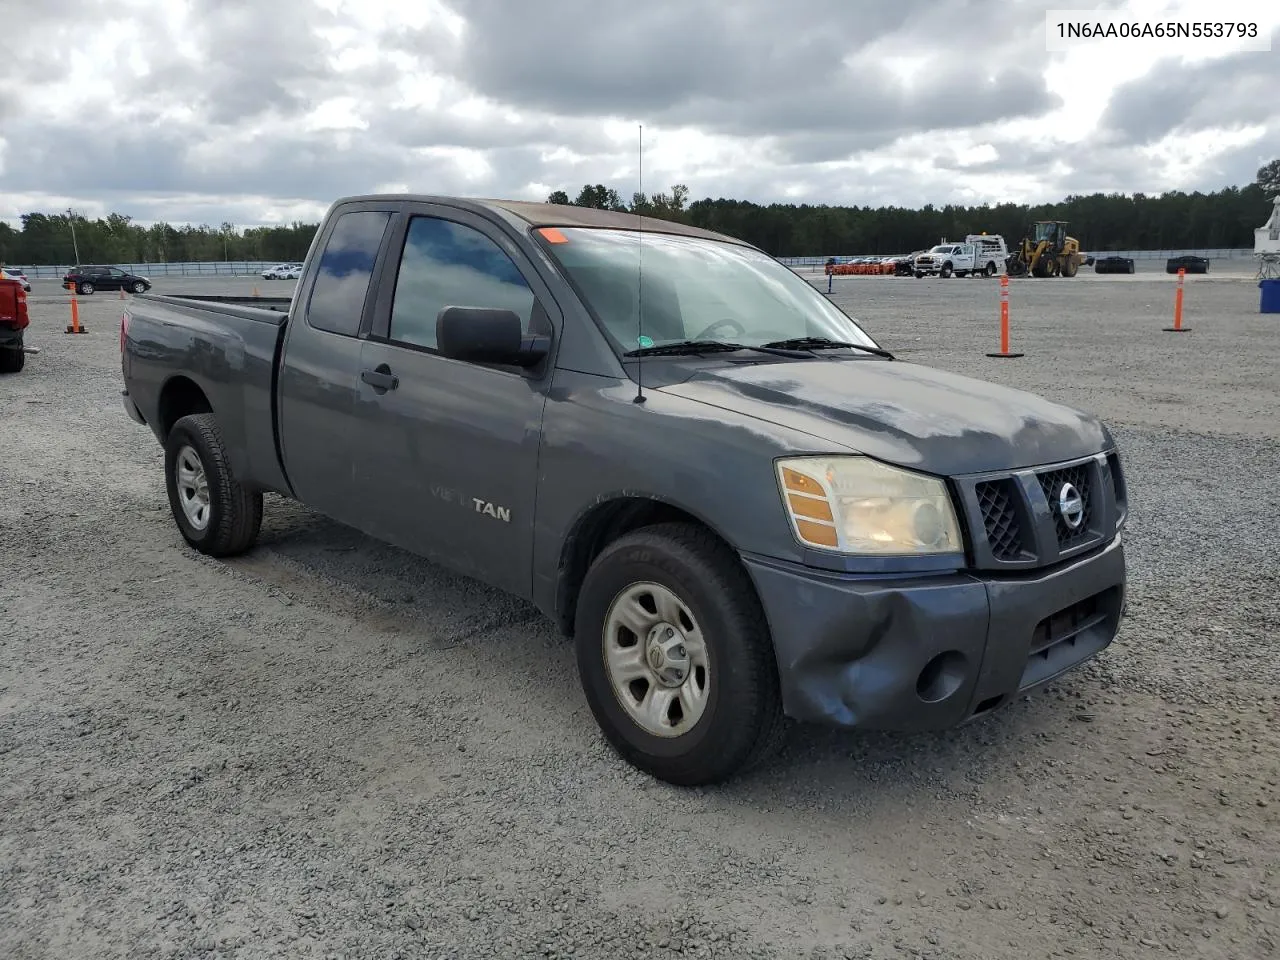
(1052, 483)
(1015, 519)
(1000, 519)
(1116, 485)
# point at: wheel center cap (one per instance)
(667, 656)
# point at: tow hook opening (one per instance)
(942, 676)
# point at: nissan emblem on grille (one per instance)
(1071, 506)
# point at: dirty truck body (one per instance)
(710, 477)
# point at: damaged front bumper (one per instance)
(932, 652)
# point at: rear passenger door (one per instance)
(448, 457)
(322, 407)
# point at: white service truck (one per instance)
(980, 254)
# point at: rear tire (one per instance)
(12, 360)
(215, 513)
(718, 714)
(990, 269)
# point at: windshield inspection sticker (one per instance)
(645, 341)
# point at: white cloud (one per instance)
(216, 109)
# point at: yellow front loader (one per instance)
(1048, 252)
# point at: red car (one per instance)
(13, 324)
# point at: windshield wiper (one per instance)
(687, 347)
(823, 343)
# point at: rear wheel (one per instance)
(674, 656)
(12, 359)
(1069, 267)
(989, 270)
(215, 513)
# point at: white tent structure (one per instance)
(1266, 244)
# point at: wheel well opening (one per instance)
(595, 531)
(180, 398)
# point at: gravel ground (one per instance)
(330, 748)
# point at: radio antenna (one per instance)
(640, 277)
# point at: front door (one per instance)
(449, 453)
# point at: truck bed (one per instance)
(227, 348)
(249, 308)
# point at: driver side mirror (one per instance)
(488, 335)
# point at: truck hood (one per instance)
(903, 413)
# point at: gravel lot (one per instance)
(330, 748)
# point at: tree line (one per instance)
(1172, 220)
(47, 239)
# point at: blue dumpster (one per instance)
(1270, 296)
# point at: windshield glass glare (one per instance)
(693, 289)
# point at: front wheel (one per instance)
(139, 287)
(674, 656)
(85, 288)
(945, 271)
(215, 513)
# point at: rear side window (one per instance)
(346, 267)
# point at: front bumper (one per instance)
(928, 653)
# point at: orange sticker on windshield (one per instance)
(552, 235)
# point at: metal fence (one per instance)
(253, 268)
(219, 268)
(1244, 253)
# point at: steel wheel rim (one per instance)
(656, 660)
(193, 487)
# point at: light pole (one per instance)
(71, 219)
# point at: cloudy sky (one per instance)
(258, 111)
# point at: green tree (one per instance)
(1269, 177)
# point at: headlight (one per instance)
(856, 505)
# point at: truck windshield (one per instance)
(692, 289)
(946, 249)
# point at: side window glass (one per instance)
(446, 264)
(346, 267)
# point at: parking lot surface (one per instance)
(328, 747)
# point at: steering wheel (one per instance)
(738, 329)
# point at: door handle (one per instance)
(380, 378)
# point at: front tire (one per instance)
(675, 658)
(215, 513)
(86, 288)
(945, 272)
(139, 287)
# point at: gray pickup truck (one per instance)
(740, 508)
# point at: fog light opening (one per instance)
(941, 677)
